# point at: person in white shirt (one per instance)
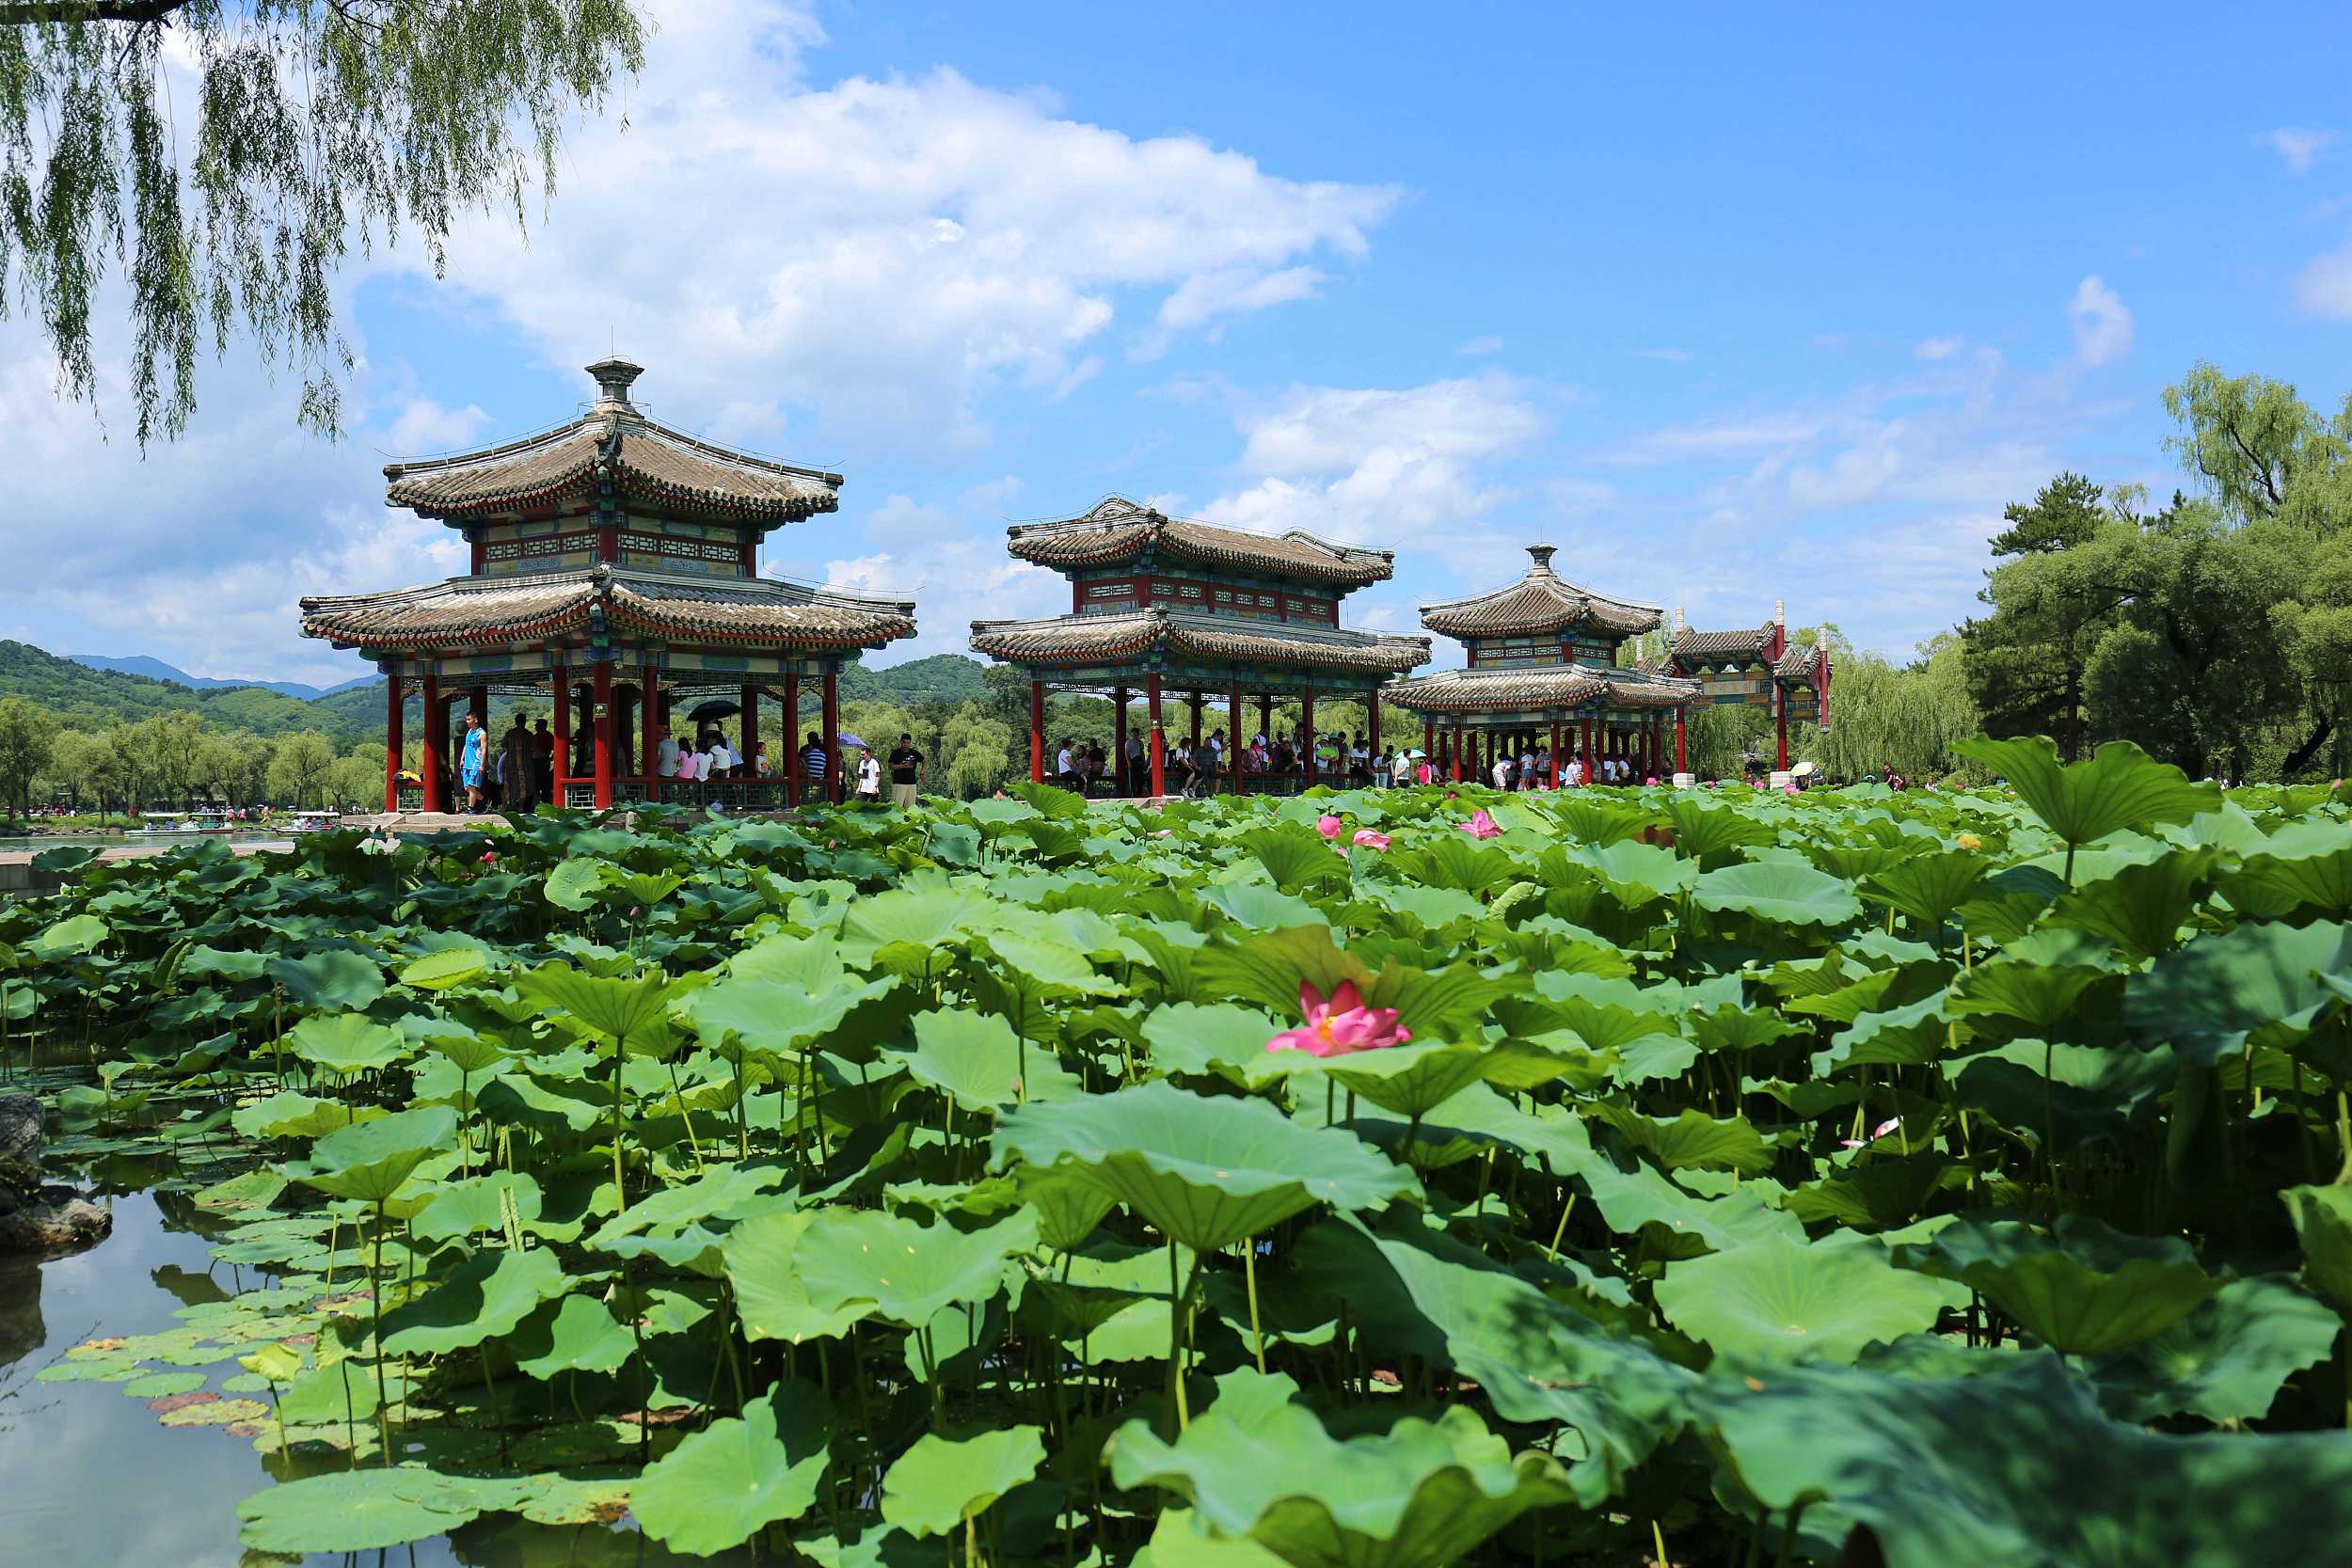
(1062, 769)
(868, 777)
(665, 756)
(718, 760)
(1503, 772)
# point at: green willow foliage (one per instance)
(311, 124)
(1939, 1179)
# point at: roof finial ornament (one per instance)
(613, 375)
(1780, 613)
(1543, 556)
(1677, 620)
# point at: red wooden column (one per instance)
(1307, 737)
(601, 734)
(1453, 753)
(1372, 736)
(792, 741)
(1118, 740)
(1233, 743)
(1037, 732)
(436, 745)
(1265, 718)
(1158, 741)
(478, 703)
(1592, 758)
(751, 724)
(1780, 703)
(1197, 700)
(393, 716)
(560, 764)
(1682, 756)
(1555, 754)
(836, 763)
(650, 731)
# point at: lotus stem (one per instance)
(1250, 1273)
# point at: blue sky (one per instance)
(1778, 303)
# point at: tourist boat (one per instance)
(317, 821)
(181, 824)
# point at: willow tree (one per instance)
(222, 156)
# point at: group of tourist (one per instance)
(518, 773)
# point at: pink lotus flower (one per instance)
(1340, 1025)
(1164, 832)
(1371, 840)
(1877, 1132)
(1480, 825)
(489, 857)
(1329, 827)
(1790, 789)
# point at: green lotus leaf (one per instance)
(775, 1016)
(483, 1298)
(611, 1006)
(332, 981)
(79, 933)
(1598, 821)
(1712, 832)
(1629, 1201)
(1294, 856)
(1261, 905)
(2038, 994)
(1269, 969)
(466, 1208)
(758, 1257)
(1179, 1541)
(1780, 893)
(1929, 888)
(1221, 1038)
(580, 1335)
(371, 1160)
(291, 1114)
(2323, 1222)
(977, 1060)
(937, 1483)
(574, 884)
(1068, 1204)
(1411, 1080)
(2225, 1361)
(1876, 1195)
(1903, 1037)
(929, 921)
(1636, 874)
(2258, 980)
(451, 966)
(2122, 788)
(2140, 907)
(2302, 865)
(1738, 1028)
(346, 1043)
(343, 1510)
(736, 1475)
(1207, 1172)
(1055, 965)
(1424, 1495)
(1954, 1469)
(1689, 1139)
(1777, 1299)
(2087, 1290)
(898, 1271)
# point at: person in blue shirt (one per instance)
(470, 762)
(812, 764)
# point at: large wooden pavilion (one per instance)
(613, 571)
(1757, 668)
(1176, 606)
(1542, 661)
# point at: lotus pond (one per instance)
(1400, 1179)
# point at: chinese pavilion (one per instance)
(1756, 668)
(614, 570)
(1172, 606)
(1543, 659)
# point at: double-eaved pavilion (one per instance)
(1756, 668)
(1542, 661)
(1172, 605)
(614, 571)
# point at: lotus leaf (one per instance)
(939, 1483)
(734, 1476)
(1776, 1300)
(1779, 893)
(2088, 1291)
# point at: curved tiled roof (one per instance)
(1118, 529)
(1556, 686)
(1690, 644)
(1093, 638)
(1539, 602)
(466, 612)
(1801, 664)
(645, 461)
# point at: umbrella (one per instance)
(1802, 771)
(1416, 753)
(851, 743)
(718, 708)
(408, 775)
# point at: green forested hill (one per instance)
(93, 699)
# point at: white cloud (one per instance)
(1380, 465)
(2325, 287)
(1485, 343)
(2102, 327)
(896, 249)
(2298, 145)
(1938, 348)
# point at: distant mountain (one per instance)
(156, 669)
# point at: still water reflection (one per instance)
(89, 1479)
